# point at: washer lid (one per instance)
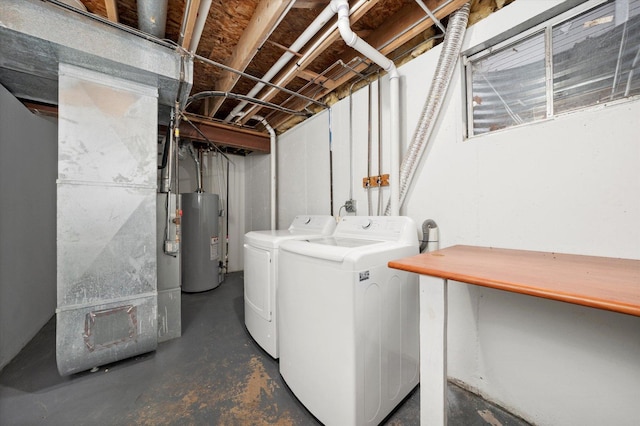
(337, 249)
(272, 239)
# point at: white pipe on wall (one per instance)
(272, 173)
(341, 7)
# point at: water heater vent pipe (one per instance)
(196, 159)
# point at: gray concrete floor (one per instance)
(215, 374)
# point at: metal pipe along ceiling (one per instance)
(444, 70)
(326, 14)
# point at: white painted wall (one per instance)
(214, 182)
(257, 192)
(28, 169)
(570, 185)
(303, 170)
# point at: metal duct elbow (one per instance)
(152, 16)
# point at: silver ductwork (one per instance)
(55, 32)
(152, 16)
(446, 64)
(106, 220)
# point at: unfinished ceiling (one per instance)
(250, 36)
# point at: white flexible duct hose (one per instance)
(446, 64)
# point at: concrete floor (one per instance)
(215, 374)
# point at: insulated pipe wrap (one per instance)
(446, 64)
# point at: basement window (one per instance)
(585, 57)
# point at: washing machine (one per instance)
(260, 273)
(349, 336)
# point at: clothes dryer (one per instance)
(260, 275)
(348, 335)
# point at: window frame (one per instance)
(541, 24)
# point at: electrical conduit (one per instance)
(341, 7)
(446, 64)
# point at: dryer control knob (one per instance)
(367, 224)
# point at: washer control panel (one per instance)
(383, 228)
(318, 223)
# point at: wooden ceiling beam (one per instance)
(262, 23)
(293, 70)
(390, 36)
(221, 134)
(42, 109)
(312, 76)
(311, 4)
(112, 10)
(225, 135)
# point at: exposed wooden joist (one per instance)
(311, 4)
(290, 72)
(190, 22)
(387, 38)
(225, 135)
(222, 134)
(112, 10)
(261, 25)
(312, 76)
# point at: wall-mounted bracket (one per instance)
(375, 181)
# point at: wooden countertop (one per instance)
(598, 282)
